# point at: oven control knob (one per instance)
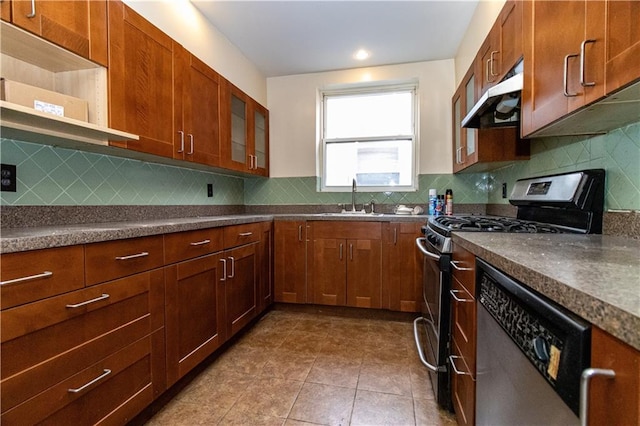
(541, 348)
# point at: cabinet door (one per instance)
(240, 287)
(265, 273)
(329, 273)
(290, 264)
(488, 60)
(197, 91)
(404, 267)
(458, 143)
(259, 139)
(194, 313)
(79, 26)
(614, 401)
(510, 35)
(140, 81)
(233, 132)
(364, 273)
(623, 43)
(5, 10)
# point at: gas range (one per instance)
(562, 203)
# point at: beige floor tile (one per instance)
(291, 422)
(392, 379)
(269, 397)
(244, 359)
(323, 404)
(421, 383)
(428, 413)
(179, 413)
(289, 365)
(374, 408)
(304, 342)
(219, 389)
(335, 370)
(242, 418)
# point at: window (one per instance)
(369, 134)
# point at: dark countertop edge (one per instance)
(35, 238)
(619, 322)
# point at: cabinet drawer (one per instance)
(347, 229)
(114, 259)
(93, 394)
(37, 332)
(34, 275)
(464, 322)
(187, 245)
(463, 390)
(463, 265)
(238, 235)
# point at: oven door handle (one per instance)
(424, 251)
(416, 336)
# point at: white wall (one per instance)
(292, 106)
(483, 18)
(183, 22)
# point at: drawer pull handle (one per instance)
(33, 10)
(245, 234)
(104, 374)
(454, 263)
(452, 359)
(456, 298)
(45, 274)
(104, 296)
(133, 256)
(200, 243)
(585, 379)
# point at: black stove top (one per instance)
(445, 224)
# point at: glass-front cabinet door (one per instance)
(259, 152)
(238, 130)
(470, 98)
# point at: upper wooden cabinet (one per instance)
(140, 81)
(244, 141)
(576, 64)
(481, 149)
(79, 26)
(196, 103)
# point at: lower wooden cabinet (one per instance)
(614, 401)
(265, 274)
(90, 355)
(346, 263)
(463, 336)
(194, 313)
(240, 283)
(290, 261)
(402, 267)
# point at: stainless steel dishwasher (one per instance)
(530, 355)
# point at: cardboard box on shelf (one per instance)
(44, 100)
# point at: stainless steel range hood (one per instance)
(500, 104)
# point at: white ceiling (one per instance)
(303, 36)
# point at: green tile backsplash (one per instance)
(618, 152)
(56, 176)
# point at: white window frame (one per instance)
(369, 88)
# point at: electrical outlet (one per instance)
(504, 189)
(209, 190)
(9, 178)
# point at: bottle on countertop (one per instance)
(440, 205)
(433, 199)
(448, 209)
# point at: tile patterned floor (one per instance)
(297, 369)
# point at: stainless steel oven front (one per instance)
(432, 329)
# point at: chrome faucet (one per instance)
(354, 188)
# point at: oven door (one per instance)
(431, 330)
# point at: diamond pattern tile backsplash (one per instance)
(56, 176)
(618, 152)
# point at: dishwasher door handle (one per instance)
(416, 336)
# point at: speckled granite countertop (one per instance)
(594, 276)
(33, 238)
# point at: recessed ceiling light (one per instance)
(361, 55)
